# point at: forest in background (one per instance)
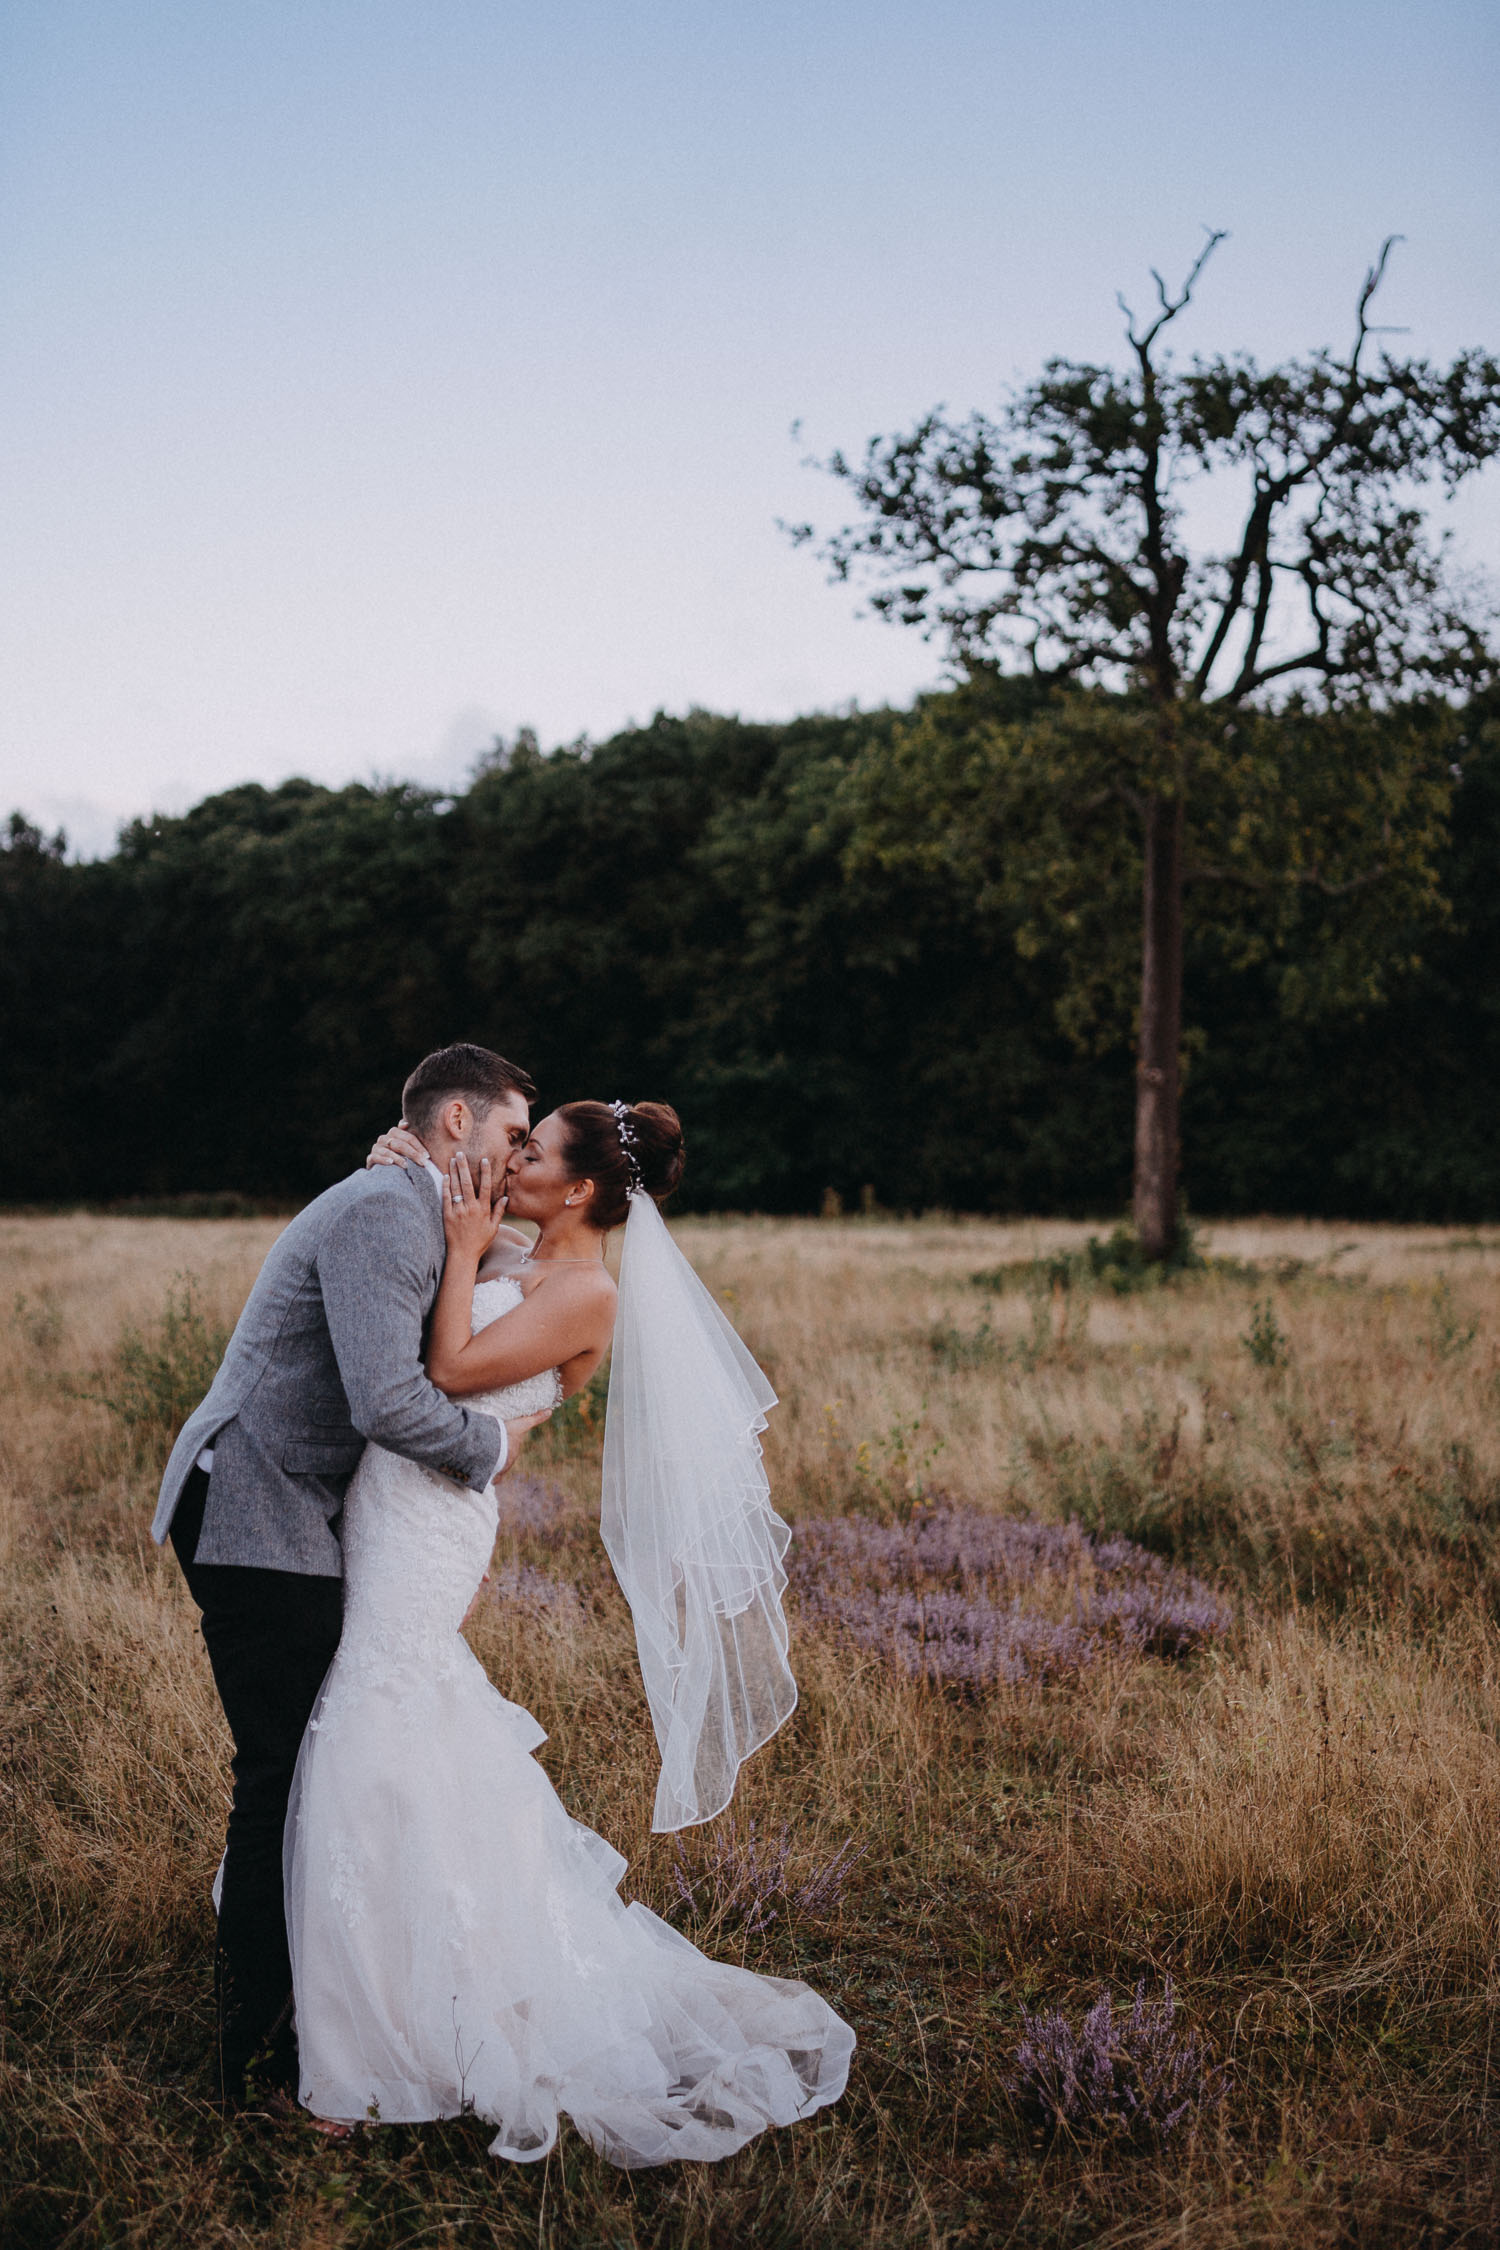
(230, 1001)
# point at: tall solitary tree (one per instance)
(1073, 537)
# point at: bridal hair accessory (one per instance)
(688, 1525)
(621, 1114)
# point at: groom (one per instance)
(326, 1356)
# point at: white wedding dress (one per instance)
(458, 1941)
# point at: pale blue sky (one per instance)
(375, 376)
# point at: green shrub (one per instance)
(577, 1426)
(954, 1348)
(1449, 1335)
(1265, 1339)
(1119, 1264)
(157, 1378)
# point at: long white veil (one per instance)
(689, 1527)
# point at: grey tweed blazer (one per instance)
(327, 1354)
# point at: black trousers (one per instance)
(270, 1636)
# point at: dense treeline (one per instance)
(232, 999)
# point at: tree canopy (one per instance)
(693, 910)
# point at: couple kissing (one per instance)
(410, 1924)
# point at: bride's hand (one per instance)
(399, 1146)
(471, 1217)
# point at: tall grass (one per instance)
(1296, 1824)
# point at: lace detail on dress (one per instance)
(492, 1299)
(416, 1546)
(344, 1885)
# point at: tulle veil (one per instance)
(688, 1524)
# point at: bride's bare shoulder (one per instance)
(591, 1280)
(572, 1287)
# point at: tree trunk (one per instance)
(1156, 1092)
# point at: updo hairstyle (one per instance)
(595, 1151)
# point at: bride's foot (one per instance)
(332, 2129)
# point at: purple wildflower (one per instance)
(1161, 1620)
(946, 1635)
(1139, 2076)
(960, 1596)
(531, 1508)
(744, 1878)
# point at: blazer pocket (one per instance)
(306, 1459)
(334, 1410)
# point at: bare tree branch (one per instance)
(1371, 284)
(1171, 306)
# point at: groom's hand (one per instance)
(517, 1431)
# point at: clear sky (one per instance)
(377, 376)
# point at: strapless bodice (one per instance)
(538, 1393)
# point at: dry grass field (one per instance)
(1297, 1822)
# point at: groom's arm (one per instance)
(372, 1266)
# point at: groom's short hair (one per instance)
(460, 1073)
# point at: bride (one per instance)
(458, 1941)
